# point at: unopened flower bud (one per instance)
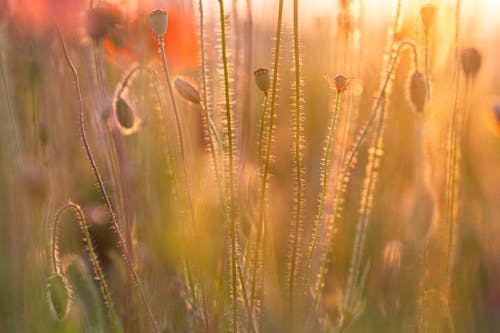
(417, 91)
(59, 295)
(262, 79)
(471, 61)
(427, 14)
(158, 19)
(187, 90)
(124, 113)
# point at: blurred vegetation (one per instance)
(406, 239)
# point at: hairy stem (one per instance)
(298, 161)
(100, 182)
(56, 269)
(353, 153)
(324, 183)
(233, 231)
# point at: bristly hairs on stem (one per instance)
(352, 155)
(299, 172)
(324, 174)
(111, 212)
(99, 275)
(232, 213)
(261, 231)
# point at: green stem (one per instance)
(324, 183)
(262, 131)
(202, 51)
(234, 253)
(298, 160)
(265, 171)
(354, 151)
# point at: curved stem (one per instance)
(103, 190)
(56, 269)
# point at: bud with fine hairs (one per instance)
(470, 58)
(158, 19)
(417, 91)
(187, 90)
(59, 295)
(262, 79)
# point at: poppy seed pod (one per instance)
(470, 59)
(417, 91)
(427, 14)
(187, 90)
(59, 295)
(158, 19)
(341, 83)
(262, 79)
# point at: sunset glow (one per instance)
(249, 166)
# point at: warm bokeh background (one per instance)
(42, 163)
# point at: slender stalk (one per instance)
(56, 269)
(298, 161)
(255, 262)
(233, 231)
(370, 182)
(265, 169)
(122, 186)
(161, 43)
(262, 125)
(324, 183)
(353, 153)
(100, 182)
(202, 51)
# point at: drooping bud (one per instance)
(470, 59)
(262, 79)
(417, 91)
(158, 19)
(187, 90)
(59, 296)
(124, 113)
(427, 15)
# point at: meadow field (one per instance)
(250, 166)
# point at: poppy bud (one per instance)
(470, 59)
(417, 91)
(427, 14)
(187, 90)
(158, 19)
(124, 113)
(59, 295)
(262, 79)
